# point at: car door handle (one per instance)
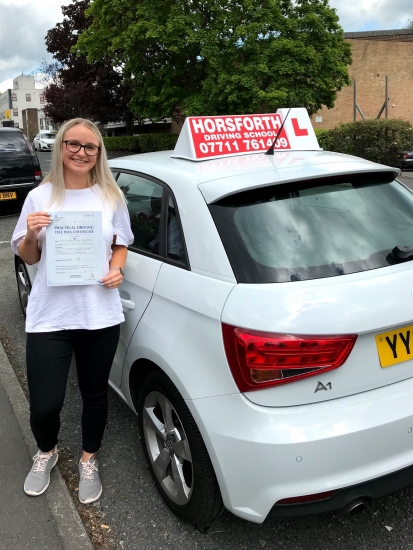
(127, 304)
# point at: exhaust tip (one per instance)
(354, 508)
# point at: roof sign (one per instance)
(204, 138)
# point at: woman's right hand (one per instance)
(35, 223)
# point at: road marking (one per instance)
(4, 242)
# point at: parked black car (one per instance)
(406, 160)
(20, 169)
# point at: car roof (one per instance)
(221, 177)
(10, 129)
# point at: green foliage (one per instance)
(378, 140)
(76, 87)
(145, 143)
(210, 57)
(323, 138)
(157, 142)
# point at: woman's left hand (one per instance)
(113, 279)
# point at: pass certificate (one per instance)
(74, 247)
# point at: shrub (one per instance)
(144, 143)
(157, 142)
(122, 143)
(378, 140)
(323, 138)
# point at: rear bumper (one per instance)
(368, 491)
(21, 190)
(407, 164)
(360, 446)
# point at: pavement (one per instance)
(47, 522)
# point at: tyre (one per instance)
(24, 286)
(175, 452)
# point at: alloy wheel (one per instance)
(23, 286)
(168, 448)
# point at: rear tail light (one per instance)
(261, 359)
(406, 156)
(38, 176)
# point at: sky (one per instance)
(24, 24)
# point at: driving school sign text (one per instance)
(204, 138)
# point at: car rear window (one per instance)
(322, 228)
(47, 136)
(13, 142)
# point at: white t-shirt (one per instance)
(91, 307)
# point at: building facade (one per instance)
(376, 54)
(24, 95)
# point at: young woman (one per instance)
(80, 318)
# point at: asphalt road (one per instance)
(134, 511)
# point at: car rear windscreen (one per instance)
(12, 142)
(16, 164)
(322, 228)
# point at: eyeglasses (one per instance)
(74, 147)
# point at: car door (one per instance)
(172, 249)
(144, 200)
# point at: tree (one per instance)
(409, 24)
(79, 88)
(221, 56)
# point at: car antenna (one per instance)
(271, 149)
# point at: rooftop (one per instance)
(398, 35)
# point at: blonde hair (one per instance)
(100, 174)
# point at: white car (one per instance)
(269, 313)
(44, 141)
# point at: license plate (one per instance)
(7, 195)
(395, 346)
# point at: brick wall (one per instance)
(372, 61)
(30, 123)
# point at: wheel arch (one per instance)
(140, 369)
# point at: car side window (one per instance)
(144, 201)
(174, 239)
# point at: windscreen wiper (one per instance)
(401, 254)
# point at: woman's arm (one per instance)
(114, 278)
(28, 249)
(119, 254)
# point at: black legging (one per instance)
(48, 357)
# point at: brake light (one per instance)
(406, 156)
(38, 173)
(262, 359)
